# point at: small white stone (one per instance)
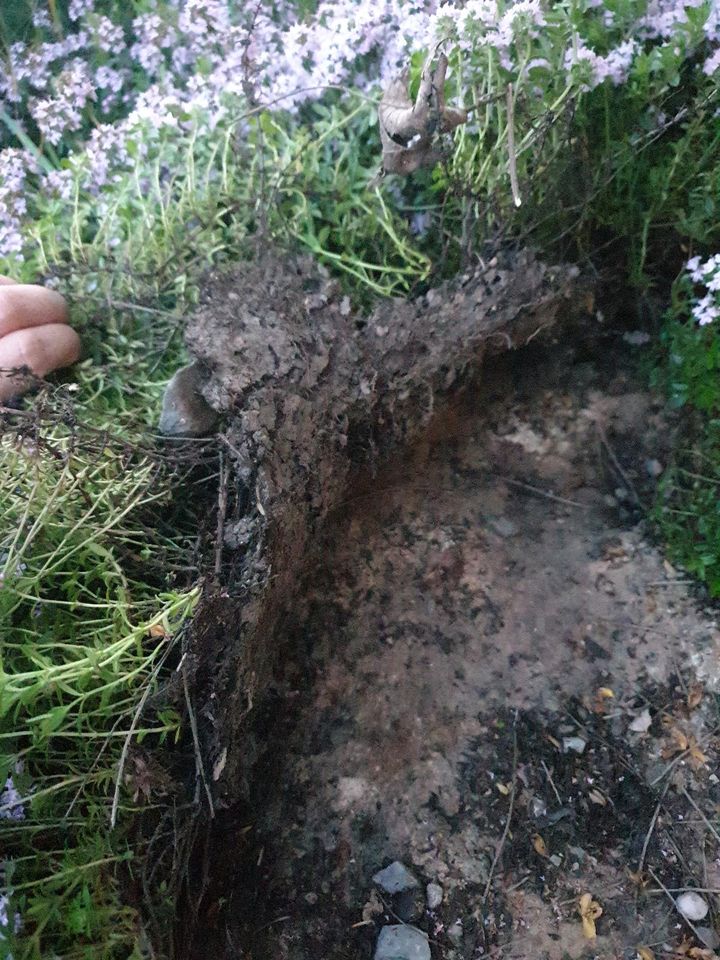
(642, 722)
(574, 743)
(692, 906)
(434, 893)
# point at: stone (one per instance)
(434, 894)
(395, 879)
(503, 527)
(185, 412)
(402, 942)
(692, 906)
(455, 933)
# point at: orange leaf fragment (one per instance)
(695, 695)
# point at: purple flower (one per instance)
(712, 64)
(79, 8)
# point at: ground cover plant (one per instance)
(140, 145)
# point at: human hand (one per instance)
(34, 335)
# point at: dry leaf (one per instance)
(677, 744)
(639, 879)
(687, 950)
(601, 695)
(597, 797)
(539, 845)
(645, 953)
(697, 757)
(158, 630)
(407, 128)
(695, 695)
(503, 789)
(589, 911)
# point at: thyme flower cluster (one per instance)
(706, 308)
(90, 95)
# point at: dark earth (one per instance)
(491, 675)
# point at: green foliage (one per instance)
(687, 510)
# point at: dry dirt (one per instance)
(474, 606)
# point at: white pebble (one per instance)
(692, 906)
(434, 894)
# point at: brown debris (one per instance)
(407, 129)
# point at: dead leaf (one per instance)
(640, 880)
(695, 695)
(602, 694)
(145, 778)
(158, 630)
(539, 845)
(645, 953)
(407, 128)
(597, 797)
(589, 911)
(678, 744)
(686, 950)
(503, 789)
(697, 757)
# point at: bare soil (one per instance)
(493, 676)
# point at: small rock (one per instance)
(538, 808)
(434, 893)
(574, 743)
(311, 898)
(503, 527)
(395, 879)
(692, 906)
(653, 468)
(185, 412)
(455, 933)
(401, 942)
